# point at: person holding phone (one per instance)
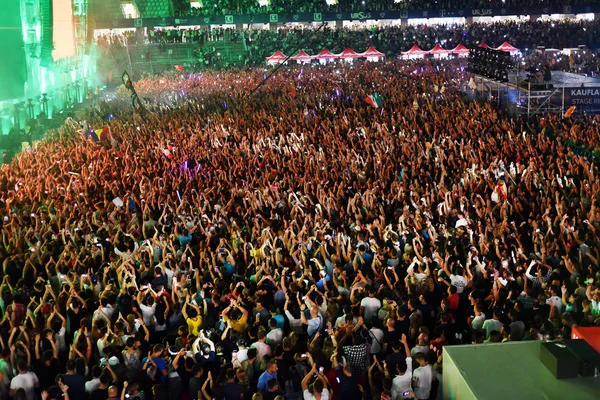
(348, 387)
(403, 379)
(318, 389)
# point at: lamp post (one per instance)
(77, 85)
(17, 116)
(30, 108)
(68, 96)
(44, 102)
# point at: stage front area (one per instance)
(500, 371)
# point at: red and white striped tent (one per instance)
(438, 51)
(461, 50)
(483, 45)
(302, 57)
(277, 58)
(372, 54)
(325, 56)
(507, 47)
(349, 54)
(414, 52)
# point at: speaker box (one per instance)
(559, 360)
(588, 358)
(570, 359)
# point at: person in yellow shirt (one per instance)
(193, 317)
(236, 315)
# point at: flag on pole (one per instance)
(179, 68)
(570, 111)
(293, 91)
(374, 100)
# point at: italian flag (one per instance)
(374, 100)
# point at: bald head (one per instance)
(113, 391)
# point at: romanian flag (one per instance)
(569, 112)
(374, 100)
(179, 68)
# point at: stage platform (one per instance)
(521, 97)
(560, 79)
(512, 370)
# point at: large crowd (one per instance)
(291, 242)
(225, 7)
(391, 40)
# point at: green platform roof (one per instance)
(506, 371)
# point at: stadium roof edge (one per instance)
(341, 16)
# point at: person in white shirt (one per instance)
(169, 274)
(148, 309)
(94, 384)
(555, 299)
(275, 335)
(295, 323)
(262, 348)
(477, 320)
(241, 355)
(370, 305)
(402, 382)
(25, 380)
(421, 347)
(317, 390)
(422, 378)
(341, 320)
(494, 324)
(104, 311)
(458, 280)
(376, 334)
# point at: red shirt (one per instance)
(332, 377)
(453, 302)
(20, 313)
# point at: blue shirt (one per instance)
(184, 240)
(229, 270)
(161, 365)
(280, 321)
(264, 378)
(368, 259)
(321, 285)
